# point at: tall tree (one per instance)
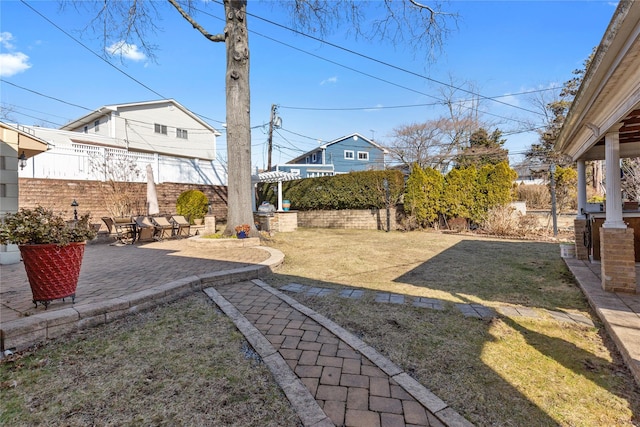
(417, 25)
(483, 149)
(434, 143)
(555, 112)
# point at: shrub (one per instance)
(502, 221)
(355, 190)
(535, 195)
(40, 226)
(192, 204)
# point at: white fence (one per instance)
(90, 162)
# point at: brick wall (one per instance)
(58, 194)
(364, 219)
(618, 260)
(580, 227)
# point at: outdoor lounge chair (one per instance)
(164, 228)
(181, 226)
(125, 229)
(145, 228)
(108, 221)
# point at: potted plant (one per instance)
(242, 231)
(51, 248)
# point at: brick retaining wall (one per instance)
(57, 194)
(364, 219)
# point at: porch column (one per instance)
(582, 189)
(616, 240)
(613, 187)
(580, 221)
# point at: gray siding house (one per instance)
(350, 153)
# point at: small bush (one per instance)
(192, 204)
(536, 196)
(502, 221)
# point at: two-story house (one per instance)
(347, 154)
(180, 146)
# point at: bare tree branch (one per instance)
(185, 15)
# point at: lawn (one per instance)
(185, 364)
(505, 371)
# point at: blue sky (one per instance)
(500, 47)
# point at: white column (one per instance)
(279, 196)
(614, 195)
(582, 189)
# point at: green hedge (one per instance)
(355, 190)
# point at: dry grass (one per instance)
(181, 364)
(507, 372)
(184, 363)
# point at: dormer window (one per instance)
(96, 126)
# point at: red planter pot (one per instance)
(52, 270)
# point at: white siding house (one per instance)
(179, 145)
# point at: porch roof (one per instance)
(609, 96)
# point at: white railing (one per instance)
(89, 162)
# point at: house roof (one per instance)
(609, 96)
(95, 114)
(335, 141)
(28, 142)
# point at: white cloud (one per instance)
(5, 40)
(127, 50)
(333, 79)
(11, 63)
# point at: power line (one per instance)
(353, 52)
(383, 63)
(46, 96)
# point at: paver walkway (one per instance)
(333, 376)
(467, 310)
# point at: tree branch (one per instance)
(185, 15)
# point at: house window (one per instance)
(86, 129)
(96, 126)
(314, 158)
(363, 155)
(160, 129)
(348, 154)
(295, 172)
(182, 133)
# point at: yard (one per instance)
(184, 363)
(506, 371)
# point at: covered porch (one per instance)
(604, 124)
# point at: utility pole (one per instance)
(270, 148)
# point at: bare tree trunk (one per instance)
(238, 120)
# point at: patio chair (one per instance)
(108, 221)
(181, 226)
(125, 229)
(164, 228)
(146, 229)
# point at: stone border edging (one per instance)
(433, 403)
(28, 331)
(301, 399)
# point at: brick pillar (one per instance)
(582, 251)
(618, 266)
